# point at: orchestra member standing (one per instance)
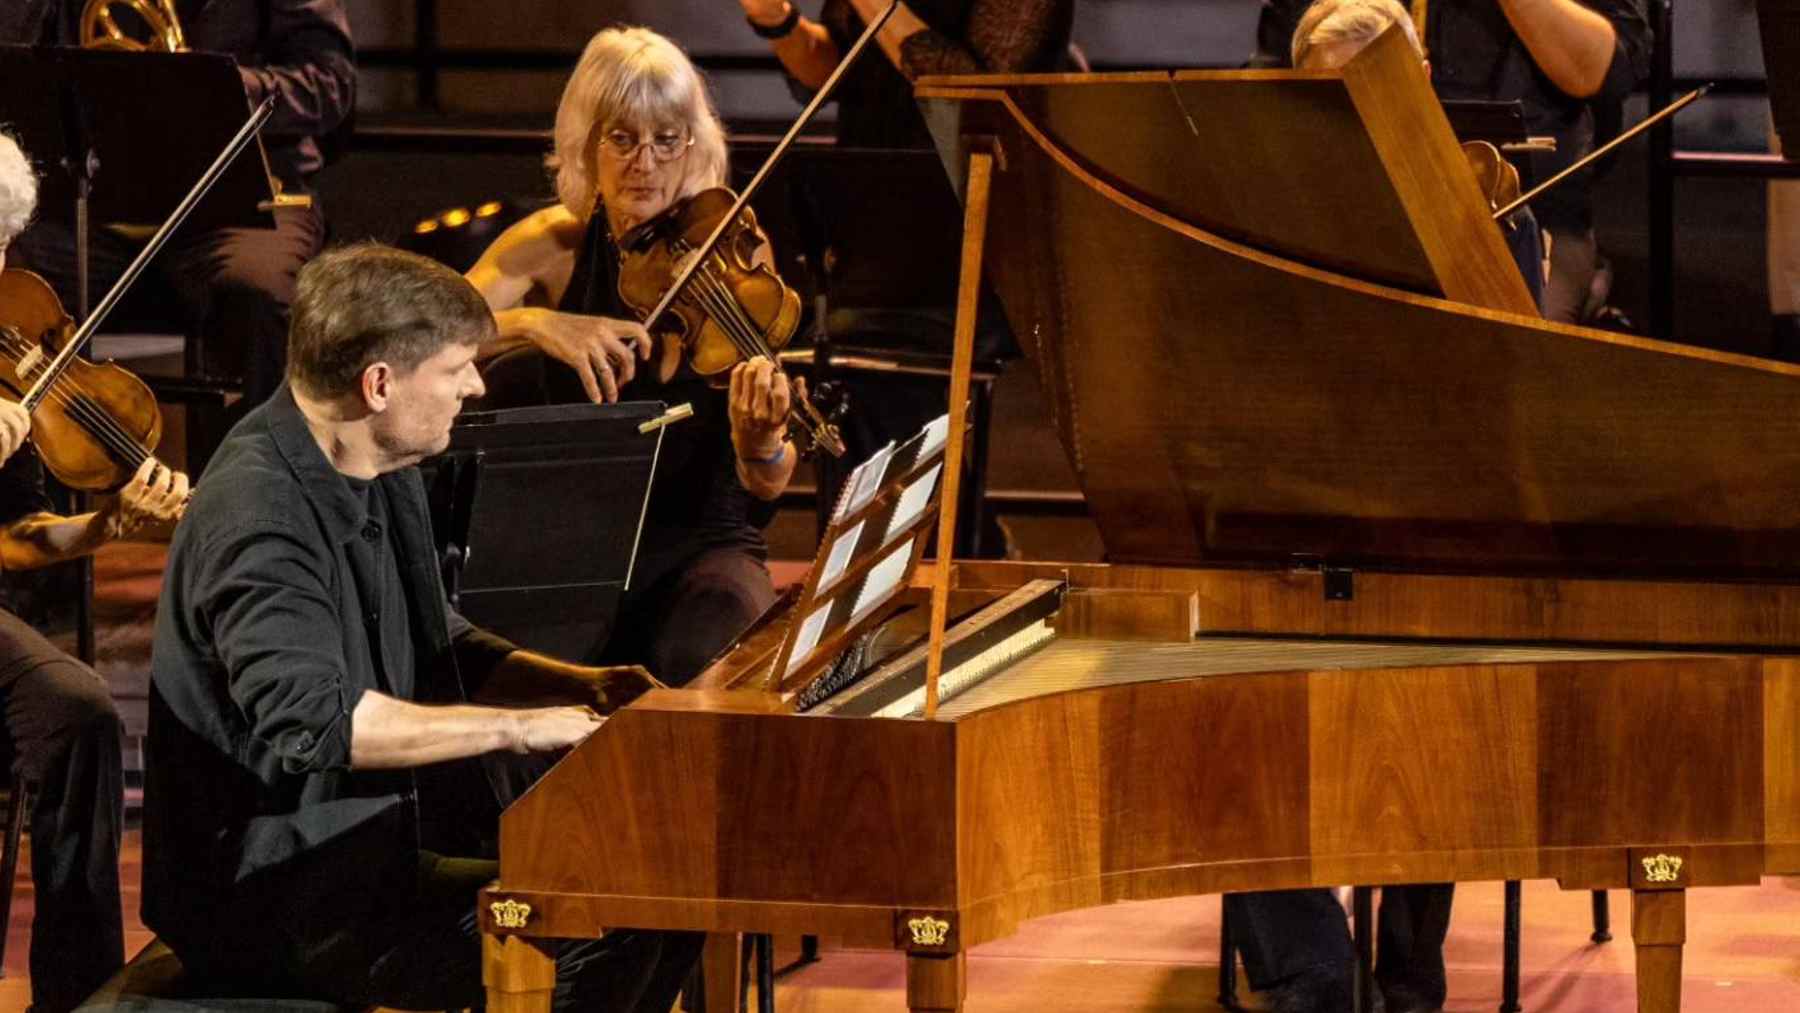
(875, 103)
(1562, 60)
(309, 684)
(59, 716)
(635, 134)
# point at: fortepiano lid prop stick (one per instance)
(968, 290)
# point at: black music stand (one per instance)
(536, 514)
(107, 146)
(1497, 123)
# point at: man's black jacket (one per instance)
(268, 632)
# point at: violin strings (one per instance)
(753, 332)
(743, 332)
(84, 411)
(82, 407)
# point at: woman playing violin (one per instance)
(58, 713)
(636, 134)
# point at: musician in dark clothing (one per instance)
(59, 720)
(876, 109)
(875, 102)
(701, 576)
(1563, 60)
(231, 286)
(312, 695)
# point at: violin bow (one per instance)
(819, 99)
(40, 388)
(1649, 121)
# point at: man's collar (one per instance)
(344, 512)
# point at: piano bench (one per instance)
(154, 982)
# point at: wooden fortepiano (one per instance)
(1407, 584)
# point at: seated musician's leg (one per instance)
(708, 602)
(237, 285)
(1296, 949)
(428, 956)
(65, 734)
(1409, 946)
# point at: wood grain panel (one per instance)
(1283, 412)
(1431, 177)
(1423, 759)
(1651, 752)
(1166, 616)
(740, 806)
(1080, 798)
(1781, 762)
(1572, 610)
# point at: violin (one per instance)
(1497, 177)
(731, 308)
(95, 424)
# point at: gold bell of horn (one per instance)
(154, 18)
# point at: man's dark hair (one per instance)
(367, 303)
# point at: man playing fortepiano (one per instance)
(313, 696)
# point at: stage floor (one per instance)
(1743, 955)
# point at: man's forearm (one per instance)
(387, 733)
(526, 677)
(1572, 44)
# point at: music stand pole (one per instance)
(82, 164)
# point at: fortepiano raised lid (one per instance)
(1229, 399)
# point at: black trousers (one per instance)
(65, 736)
(686, 607)
(425, 953)
(1283, 933)
(229, 288)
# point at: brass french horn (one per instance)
(101, 30)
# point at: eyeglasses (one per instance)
(665, 146)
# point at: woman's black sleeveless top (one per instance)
(696, 500)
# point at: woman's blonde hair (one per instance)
(635, 77)
(1357, 21)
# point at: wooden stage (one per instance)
(1743, 956)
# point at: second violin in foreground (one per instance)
(98, 423)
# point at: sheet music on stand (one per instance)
(877, 533)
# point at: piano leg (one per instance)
(518, 973)
(935, 983)
(1658, 929)
(721, 969)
